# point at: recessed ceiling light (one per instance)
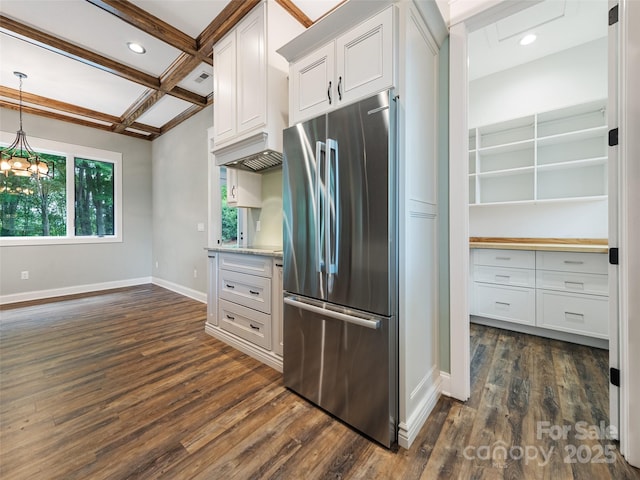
(528, 39)
(136, 47)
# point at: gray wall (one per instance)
(443, 207)
(63, 266)
(180, 199)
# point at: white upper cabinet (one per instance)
(224, 87)
(312, 84)
(364, 58)
(250, 83)
(239, 79)
(252, 72)
(244, 189)
(353, 66)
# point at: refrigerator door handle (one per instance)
(333, 208)
(372, 323)
(320, 206)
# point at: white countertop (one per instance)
(266, 250)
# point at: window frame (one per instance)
(71, 152)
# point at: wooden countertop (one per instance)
(590, 245)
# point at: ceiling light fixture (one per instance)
(136, 47)
(19, 158)
(528, 39)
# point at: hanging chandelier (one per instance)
(19, 158)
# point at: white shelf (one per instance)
(593, 198)
(557, 155)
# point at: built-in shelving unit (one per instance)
(548, 156)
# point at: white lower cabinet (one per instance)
(249, 324)
(560, 291)
(245, 295)
(512, 304)
(573, 313)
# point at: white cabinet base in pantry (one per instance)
(542, 332)
(556, 294)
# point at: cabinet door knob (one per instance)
(329, 92)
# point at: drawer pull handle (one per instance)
(503, 258)
(230, 317)
(573, 262)
(278, 265)
(574, 285)
(575, 317)
(230, 286)
(503, 304)
(254, 327)
(253, 292)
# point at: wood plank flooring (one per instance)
(125, 384)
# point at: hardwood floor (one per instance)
(126, 384)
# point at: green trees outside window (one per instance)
(34, 207)
(93, 197)
(45, 207)
(229, 220)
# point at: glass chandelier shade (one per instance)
(19, 158)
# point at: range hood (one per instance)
(252, 153)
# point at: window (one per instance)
(80, 204)
(233, 220)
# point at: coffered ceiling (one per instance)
(80, 69)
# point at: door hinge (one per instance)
(613, 256)
(613, 15)
(614, 376)
(613, 137)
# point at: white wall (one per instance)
(179, 204)
(569, 77)
(61, 269)
(270, 215)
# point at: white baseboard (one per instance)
(61, 292)
(445, 384)
(182, 290)
(408, 431)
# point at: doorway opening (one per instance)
(538, 217)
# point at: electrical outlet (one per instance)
(195, 273)
(200, 227)
(24, 275)
(258, 226)
(156, 263)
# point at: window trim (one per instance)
(71, 152)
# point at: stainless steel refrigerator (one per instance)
(340, 264)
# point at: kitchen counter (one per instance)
(266, 250)
(589, 245)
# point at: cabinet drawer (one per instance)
(252, 264)
(248, 290)
(573, 282)
(519, 277)
(511, 304)
(573, 313)
(505, 258)
(573, 262)
(245, 323)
